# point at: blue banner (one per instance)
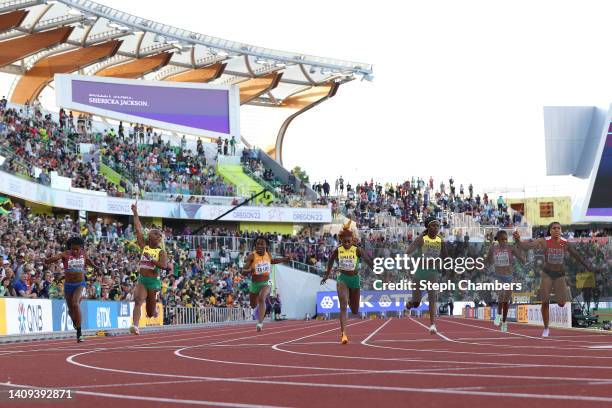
(512, 313)
(371, 301)
(124, 320)
(100, 315)
(61, 318)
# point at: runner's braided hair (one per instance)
(346, 231)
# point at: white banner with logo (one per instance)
(559, 316)
(26, 316)
(27, 190)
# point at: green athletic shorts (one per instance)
(149, 282)
(351, 282)
(255, 287)
(428, 275)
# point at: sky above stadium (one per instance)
(459, 86)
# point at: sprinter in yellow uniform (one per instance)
(259, 265)
(348, 283)
(153, 259)
(432, 252)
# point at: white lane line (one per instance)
(380, 388)
(155, 399)
(134, 340)
(35, 345)
(400, 389)
(364, 341)
(437, 331)
(493, 354)
(547, 339)
(179, 353)
(275, 346)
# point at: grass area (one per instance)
(245, 185)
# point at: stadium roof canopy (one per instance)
(41, 38)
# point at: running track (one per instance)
(394, 362)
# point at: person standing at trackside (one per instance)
(152, 260)
(348, 282)
(502, 256)
(259, 265)
(432, 251)
(74, 260)
(233, 145)
(553, 273)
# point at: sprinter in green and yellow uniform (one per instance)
(348, 283)
(259, 265)
(153, 260)
(432, 252)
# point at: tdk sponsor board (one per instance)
(371, 301)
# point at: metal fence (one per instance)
(241, 244)
(177, 315)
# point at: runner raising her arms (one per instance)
(553, 273)
(153, 260)
(502, 256)
(74, 260)
(259, 265)
(348, 282)
(431, 248)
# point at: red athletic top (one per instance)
(555, 251)
(74, 263)
(502, 256)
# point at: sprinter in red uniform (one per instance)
(74, 260)
(555, 250)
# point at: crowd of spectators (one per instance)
(286, 193)
(205, 264)
(162, 168)
(194, 278)
(36, 146)
(414, 200)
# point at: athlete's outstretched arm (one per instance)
(90, 263)
(54, 258)
(138, 227)
(416, 244)
(519, 254)
(248, 265)
(489, 258)
(574, 253)
(366, 258)
(531, 244)
(330, 265)
(163, 260)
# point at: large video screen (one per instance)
(192, 108)
(600, 200)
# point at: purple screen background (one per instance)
(206, 109)
(600, 203)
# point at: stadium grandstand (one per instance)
(146, 210)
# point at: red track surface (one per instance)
(393, 362)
